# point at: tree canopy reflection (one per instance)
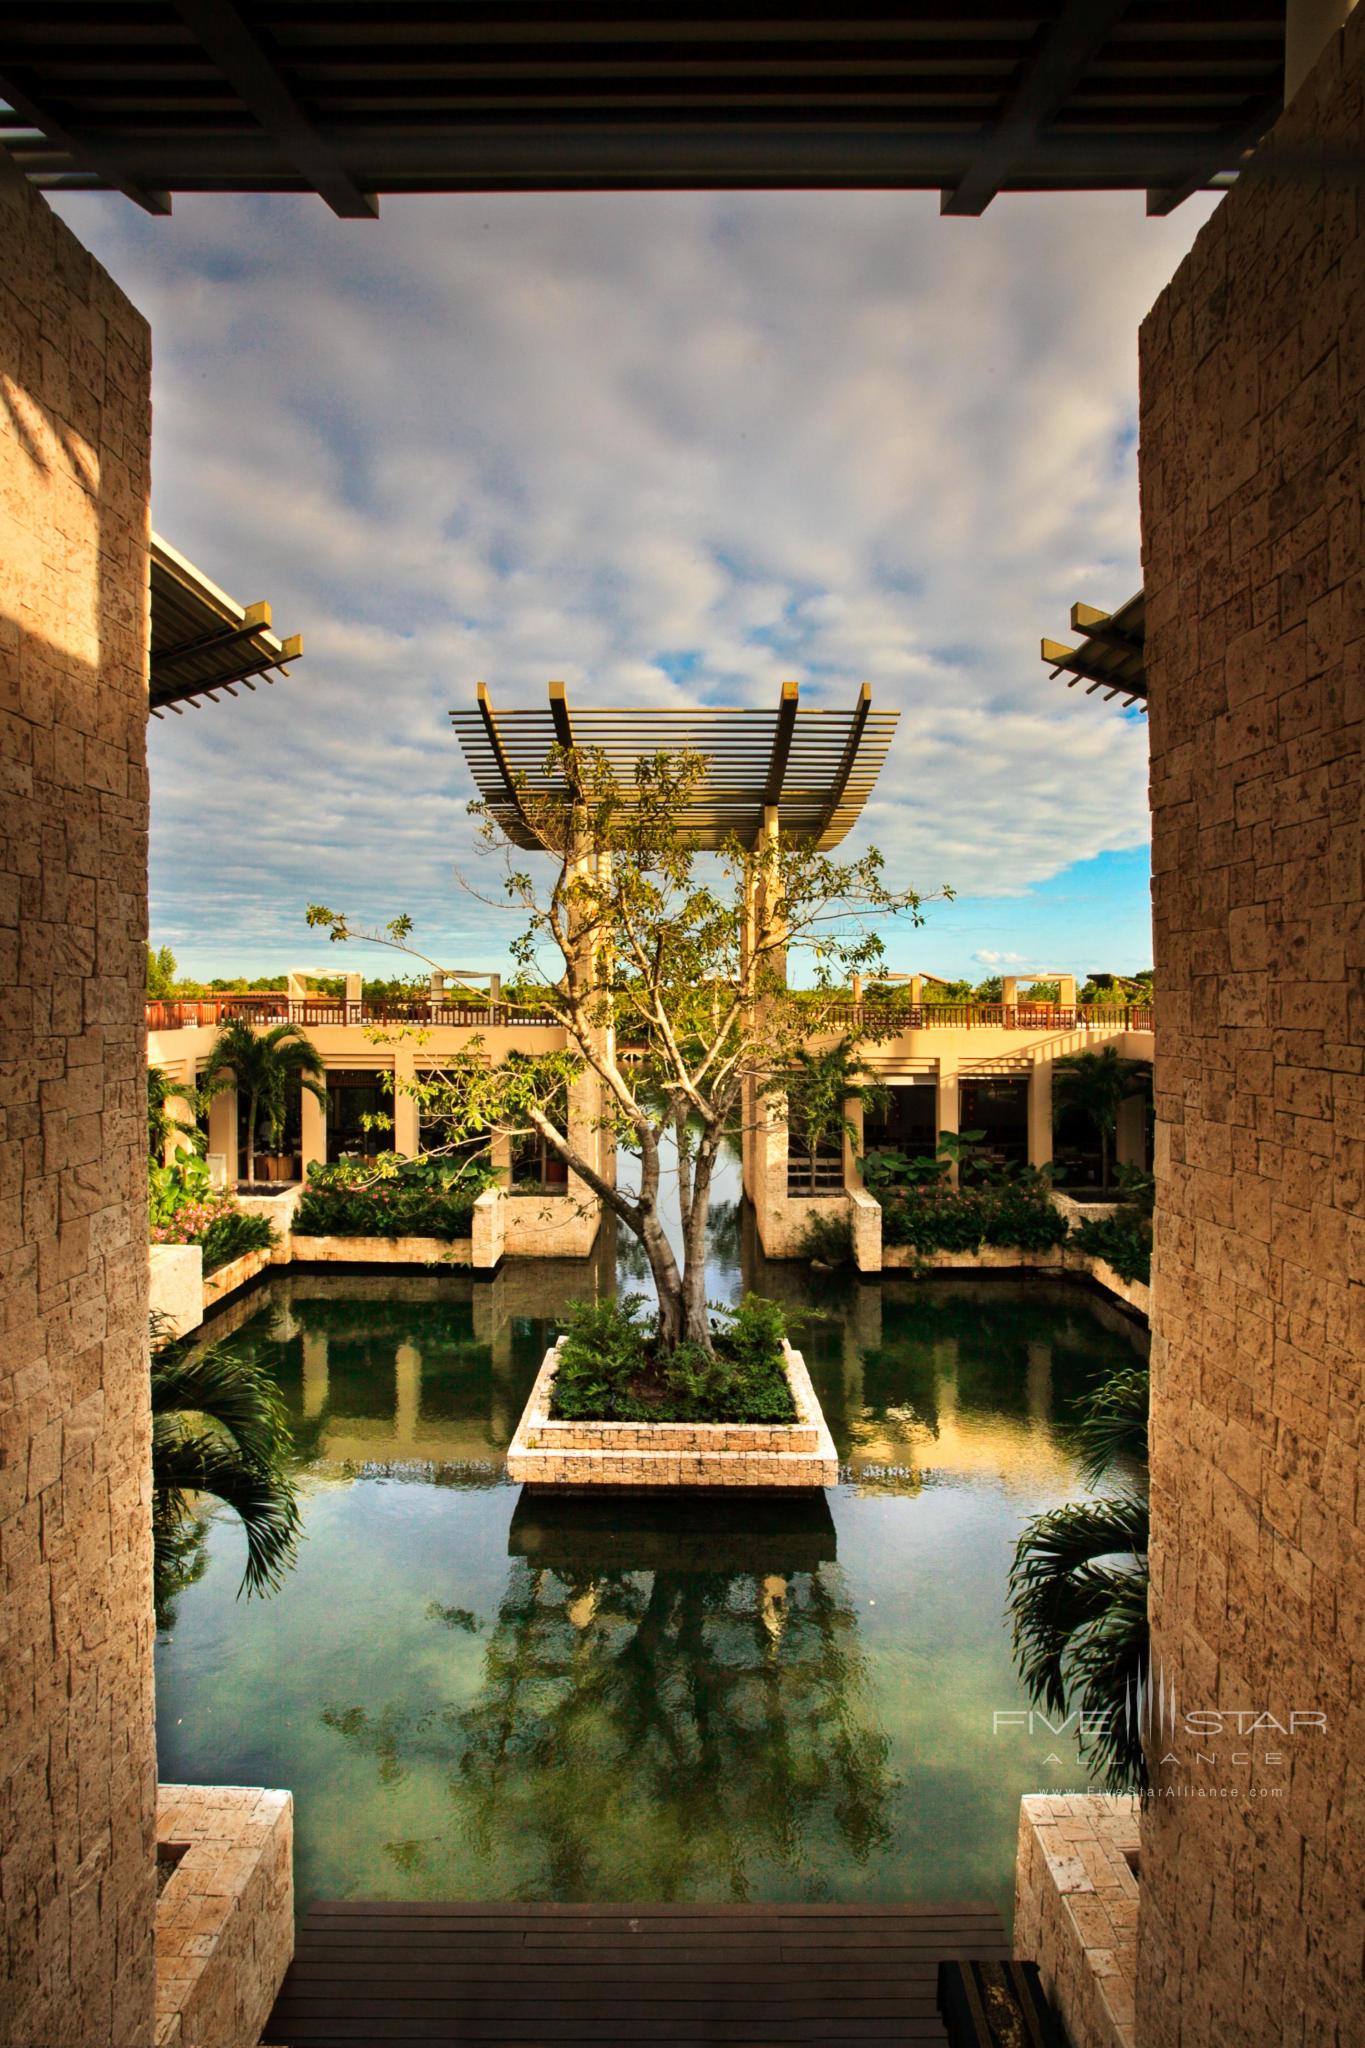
(665, 1732)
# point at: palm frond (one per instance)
(1112, 1429)
(187, 1460)
(230, 1390)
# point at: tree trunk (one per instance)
(696, 1321)
(663, 1266)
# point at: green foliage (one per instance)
(392, 1197)
(1079, 1583)
(1096, 1083)
(161, 1125)
(1123, 1241)
(263, 1065)
(1138, 1188)
(819, 1087)
(231, 1235)
(184, 1209)
(161, 972)
(826, 1240)
(218, 1427)
(613, 1369)
(1016, 1214)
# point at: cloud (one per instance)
(661, 446)
(990, 959)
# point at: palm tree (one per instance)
(161, 1125)
(263, 1065)
(1096, 1083)
(1078, 1588)
(819, 1088)
(218, 1426)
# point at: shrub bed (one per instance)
(183, 1209)
(612, 1370)
(391, 1197)
(1123, 1241)
(939, 1219)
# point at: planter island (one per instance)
(553, 1451)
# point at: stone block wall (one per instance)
(1253, 403)
(77, 1796)
(1076, 1910)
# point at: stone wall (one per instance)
(77, 1799)
(1253, 385)
(225, 1921)
(1076, 1910)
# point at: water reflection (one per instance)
(479, 1693)
(671, 1704)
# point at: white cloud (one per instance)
(657, 445)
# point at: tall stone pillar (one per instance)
(1130, 1138)
(312, 1131)
(78, 1759)
(1040, 1113)
(946, 1109)
(406, 1136)
(223, 1131)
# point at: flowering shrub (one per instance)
(184, 1209)
(392, 1197)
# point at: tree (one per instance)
(635, 945)
(161, 1125)
(161, 972)
(819, 1087)
(1095, 1083)
(1078, 1588)
(218, 1427)
(263, 1066)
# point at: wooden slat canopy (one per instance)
(202, 639)
(151, 97)
(815, 768)
(1111, 656)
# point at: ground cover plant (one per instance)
(613, 1368)
(183, 1208)
(1019, 1216)
(392, 1197)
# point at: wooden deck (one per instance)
(381, 1972)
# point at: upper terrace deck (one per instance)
(271, 1006)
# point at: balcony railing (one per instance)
(268, 1006)
(889, 1021)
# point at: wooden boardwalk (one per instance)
(382, 1972)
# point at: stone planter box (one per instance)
(225, 1920)
(226, 1279)
(545, 1452)
(381, 1251)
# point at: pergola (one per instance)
(812, 770)
(1111, 656)
(359, 99)
(203, 641)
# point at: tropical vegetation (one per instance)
(820, 1088)
(183, 1208)
(688, 963)
(392, 1197)
(1097, 1084)
(162, 1125)
(218, 1427)
(612, 1366)
(1078, 1588)
(265, 1067)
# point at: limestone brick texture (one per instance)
(548, 1452)
(1076, 1910)
(225, 1921)
(1252, 407)
(77, 1795)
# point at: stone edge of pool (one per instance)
(547, 1452)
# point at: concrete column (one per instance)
(853, 1146)
(1066, 991)
(407, 1119)
(1040, 1113)
(312, 1132)
(223, 1130)
(1130, 1146)
(947, 1107)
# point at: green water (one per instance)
(475, 1695)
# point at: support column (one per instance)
(223, 1130)
(1130, 1138)
(1040, 1113)
(947, 1109)
(312, 1132)
(853, 1146)
(406, 1136)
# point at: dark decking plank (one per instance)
(439, 1971)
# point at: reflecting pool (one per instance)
(476, 1693)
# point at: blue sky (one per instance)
(662, 446)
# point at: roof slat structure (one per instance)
(816, 769)
(148, 97)
(202, 639)
(1112, 655)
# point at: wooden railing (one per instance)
(891, 1020)
(270, 1006)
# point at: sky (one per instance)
(666, 447)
